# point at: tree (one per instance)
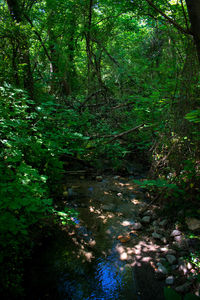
(17, 13)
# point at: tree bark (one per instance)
(193, 7)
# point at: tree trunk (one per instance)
(88, 43)
(17, 15)
(193, 7)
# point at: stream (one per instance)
(101, 256)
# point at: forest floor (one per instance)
(120, 247)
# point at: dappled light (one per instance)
(99, 149)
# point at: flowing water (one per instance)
(97, 258)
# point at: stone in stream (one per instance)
(193, 223)
(184, 287)
(169, 280)
(146, 219)
(175, 233)
(162, 269)
(163, 223)
(136, 226)
(155, 223)
(164, 240)
(156, 235)
(171, 258)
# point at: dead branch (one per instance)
(124, 133)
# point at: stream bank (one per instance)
(112, 251)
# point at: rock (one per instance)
(127, 223)
(192, 223)
(164, 249)
(162, 260)
(163, 223)
(99, 178)
(171, 251)
(164, 240)
(162, 269)
(148, 213)
(169, 280)
(155, 223)
(119, 194)
(183, 268)
(156, 235)
(175, 233)
(189, 266)
(174, 267)
(136, 226)
(171, 259)
(184, 288)
(146, 219)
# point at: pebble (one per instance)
(193, 223)
(162, 269)
(175, 233)
(189, 266)
(171, 251)
(119, 194)
(163, 223)
(155, 223)
(136, 226)
(156, 235)
(171, 258)
(169, 280)
(146, 219)
(148, 213)
(174, 267)
(164, 240)
(162, 260)
(183, 268)
(184, 287)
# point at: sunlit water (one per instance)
(110, 279)
(73, 270)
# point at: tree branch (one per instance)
(39, 37)
(184, 13)
(170, 20)
(124, 133)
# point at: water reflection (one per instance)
(109, 279)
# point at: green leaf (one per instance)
(170, 294)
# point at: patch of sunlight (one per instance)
(88, 256)
(106, 193)
(92, 243)
(106, 217)
(126, 223)
(135, 201)
(94, 210)
(146, 259)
